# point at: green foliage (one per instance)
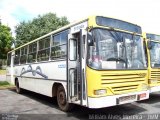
(5, 41)
(28, 31)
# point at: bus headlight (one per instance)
(100, 92)
(144, 86)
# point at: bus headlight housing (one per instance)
(144, 86)
(100, 92)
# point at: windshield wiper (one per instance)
(116, 59)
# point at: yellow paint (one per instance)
(92, 24)
(121, 77)
(151, 70)
(108, 79)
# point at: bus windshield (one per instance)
(116, 50)
(155, 54)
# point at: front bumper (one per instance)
(108, 101)
(154, 89)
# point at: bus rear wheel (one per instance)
(62, 101)
(18, 89)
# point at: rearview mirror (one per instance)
(90, 39)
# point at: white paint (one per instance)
(38, 83)
(77, 28)
(154, 89)
(39, 77)
(40, 86)
(111, 100)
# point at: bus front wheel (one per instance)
(61, 99)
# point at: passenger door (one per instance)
(76, 62)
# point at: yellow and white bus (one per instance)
(96, 62)
(153, 59)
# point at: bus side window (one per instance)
(17, 57)
(58, 50)
(44, 48)
(32, 52)
(23, 57)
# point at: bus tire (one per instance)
(62, 101)
(18, 89)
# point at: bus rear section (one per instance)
(153, 56)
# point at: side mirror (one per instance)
(90, 39)
(149, 45)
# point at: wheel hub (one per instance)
(62, 98)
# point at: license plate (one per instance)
(143, 95)
(127, 99)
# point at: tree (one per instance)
(28, 31)
(5, 41)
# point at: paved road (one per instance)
(2, 77)
(35, 106)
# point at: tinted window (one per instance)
(33, 47)
(64, 36)
(119, 24)
(23, 57)
(59, 45)
(153, 36)
(56, 39)
(44, 48)
(17, 57)
(32, 52)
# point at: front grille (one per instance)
(155, 75)
(122, 83)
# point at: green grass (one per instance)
(5, 85)
(2, 72)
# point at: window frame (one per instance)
(60, 57)
(33, 52)
(25, 54)
(15, 57)
(46, 49)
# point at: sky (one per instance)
(145, 13)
